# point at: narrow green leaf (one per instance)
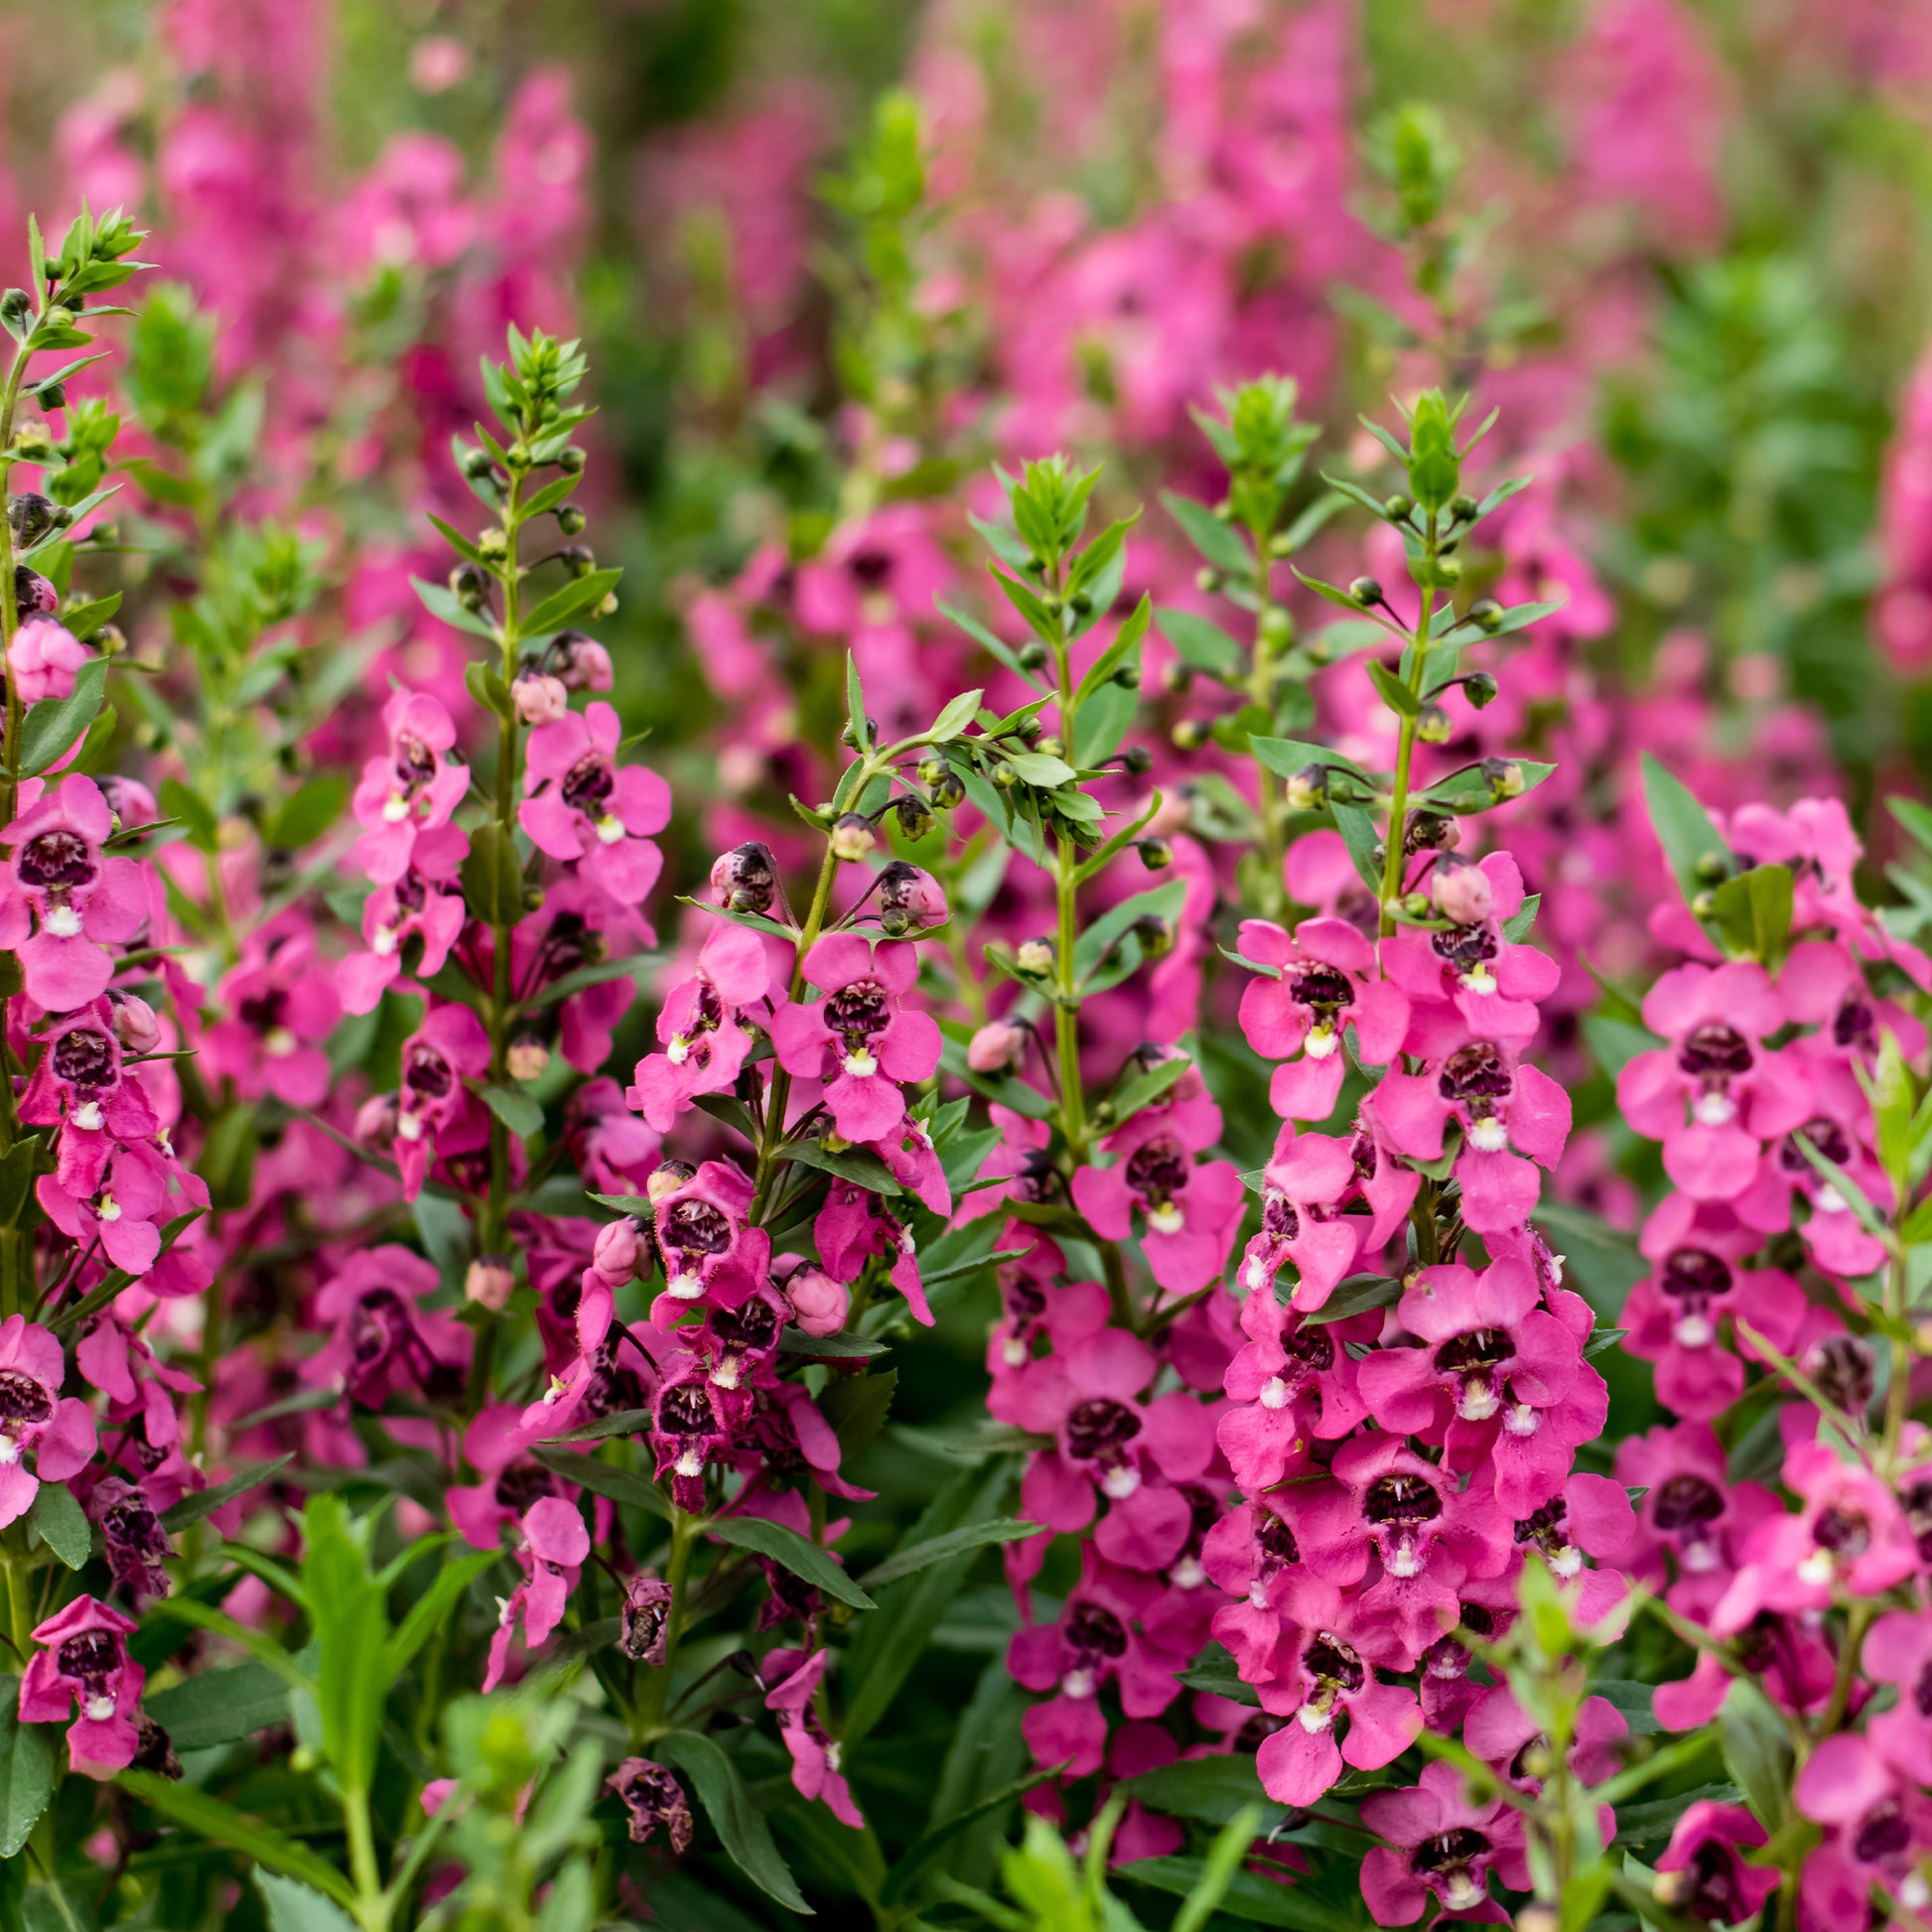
(441, 603)
(55, 1519)
(204, 1502)
(1394, 693)
(1203, 644)
(191, 1807)
(29, 1756)
(295, 1907)
(793, 1551)
(604, 1480)
(220, 1706)
(54, 725)
(557, 610)
(1219, 543)
(915, 1557)
(1684, 828)
(515, 1109)
(737, 1820)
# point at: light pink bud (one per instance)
(375, 1122)
(43, 657)
(818, 1302)
(1462, 894)
(621, 1254)
(135, 1024)
(527, 1059)
(995, 1047)
(582, 662)
(909, 899)
(539, 699)
(489, 1281)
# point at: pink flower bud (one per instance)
(1462, 894)
(818, 1302)
(489, 1281)
(375, 1122)
(539, 700)
(526, 1059)
(582, 662)
(909, 899)
(995, 1047)
(621, 1254)
(746, 879)
(44, 656)
(135, 1024)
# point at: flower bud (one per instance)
(1712, 868)
(1190, 734)
(571, 460)
(1431, 831)
(527, 1059)
(1366, 591)
(1208, 580)
(914, 816)
(577, 558)
(852, 838)
(622, 1253)
(493, 543)
(31, 516)
(1462, 891)
(746, 879)
(34, 595)
(1137, 761)
(932, 768)
(1035, 956)
(1128, 677)
(1156, 936)
(16, 310)
(818, 1304)
(477, 464)
(1399, 508)
(909, 899)
(489, 1281)
(33, 440)
(52, 395)
(1307, 789)
(135, 1023)
(1487, 613)
(539, 700)
(1434, 726)
(1031, 656)
(569, 519)
(667, 1177)
(1464, 508)
(947, 791)
(1276, 625)
(469, 585)
(1505, 777)
(375, 1123)
(1156, 855)
(997, 1047)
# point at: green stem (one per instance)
(657, 1685)
(1406, 743)
(372, 1904)
(1271, 791)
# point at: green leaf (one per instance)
(1212, 1789)
(1123, 648)
(1470, 790)
(986, 639)
(557, 610)
(1356, 1296)
(1285, 757)
(958, 713)
(855, 704)
(351, 1634)
(515, 1109)
(919, 1854)
(204, 1502)
(1216, 541)
(1754, 913)
(293, 1907)
(29, 1755)
(1214, 1671)
(220, 1706)
(624, 1421)
(855, 1165)
(83, 620)
(441, 601)
(1757, 1752)
(1146, 1088)
(1614, 1043)
(737, 1822)
(1262, 1902)
(492, 876)
(1203, 644)
(1632, 1700)
(1358, 834)
(1219, 1869)
(1916, 818)
(194, 811)
(1683, 827)
(857, 1407)
(1394, 693)
(192, 1808)
(433, 1605)
(309, 811)
(55, 723)
(604, 1480)
(55, 1519)
(795, 1342)
(908, 1559)
(1160, 902)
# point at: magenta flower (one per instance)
(694, 1425)
(1506, 1737)
(1326, 1674)
(1325, 981)
(411, 789)
(858, 1038)
(382, 1335)
(1301, 1191)
(1878, 1827)
(1436, 1844)
(1898, 1650)
(33, 1415)
(423, 903)
(1251, 1554)
(279, 1004)
(1691, 1511)
(43, 657)
(85, 1665)
(1499, 1104)
(554, 1547)
(1716, 1091)
(1291, 1385)
(1190, 1211)
(65, 901)
(656, 1802)
(853, 1227)
(1590, 1516)
(448, 1048)
(118, 1201)
(793, 1678)
(710, 1250)
(701, 1027)
(1703, 1871)
(82, 1082)
(582, 806)
(134, 1542)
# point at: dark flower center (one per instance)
(84, 1058)
(428, 1073)
(589, 783)
(1842, 1367)
(55, 859)
(752, 1327)
(857, 1012)
(263, 1013)
(1918, 1516)
(1922, 1694)
(21, 1398)
(1277, 1217)
(684, 1408)
(90, 1655)
(1684, 1502)
(415, 765)
(1330, 1662)
(1695, 1273)
(1476, 1071)
(1475, 1352)
(1322, 987)
(695, 1228)
(1275, 1540)
(1401, 1498)
(1467, 946)
(1843, 1532)
(1825, 1136)
(1884, 1832)
(522, 1484)
(1853, 1024)
(1716, 1895)
(1451, 1853)
(377, 1323)
(1158, 1171)
(1716, 1051)
(1095, 1631)
(1093, 1428)
(1312, 1347)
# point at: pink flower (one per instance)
(582, 805)
(1691, 1511)
(33, 1415)
(858, 1038)
(82, 1082)
(1703, 1871)
(43, 657)
(1190, 1211)
(1437, 1843)
(1898, 1650)
(694, 1425)
(412, 789)
(422, 903)
(853, 1227)
(117, 1198)
(702, 1025)
(1301, 1191)
(1326, 981)
(448, 1048)
(1878, 1827)
(1491, 981)
(63, 900)
(1291, 1385)
(382, 1335)
(280, 1003)
(709, 1251)
(793, 1678)
(555, 1545)
(1716, 1091)
(85, 1664)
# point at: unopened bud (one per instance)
(493, 543)
(933, 769)
(34, 595)
(667, 1177)
(1434, 726)
(914, 816)
(1479, 688)
(622, 1253)
(1463, 894)
(135, 1023)
(1505, 777)
(16, 310)
(477, 464)
(1031, 656)
(746, 879)
(909, 899)
(1191, 733)
(1128, 677)
(1464, 508)
(1035, 956)
(1276, 627)
(577, 558)
(1307, 789)
(1136, 759)
(1431, 831)
(1712, 868)
(1156, 936)
(526, 1057)
(539, 699)
(571, 460)
(818, 1304)
(489, 1281)
(580, 661)
(995, 1047)
(1487, 613)
(1156, 855)
(470, 584)
(947, 790)
(1415, 905)
(32, 516)
(852, 838)
(1399, 508)
(1176, 677)
(569, 519)
(1366, 591)
(375, 1123)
